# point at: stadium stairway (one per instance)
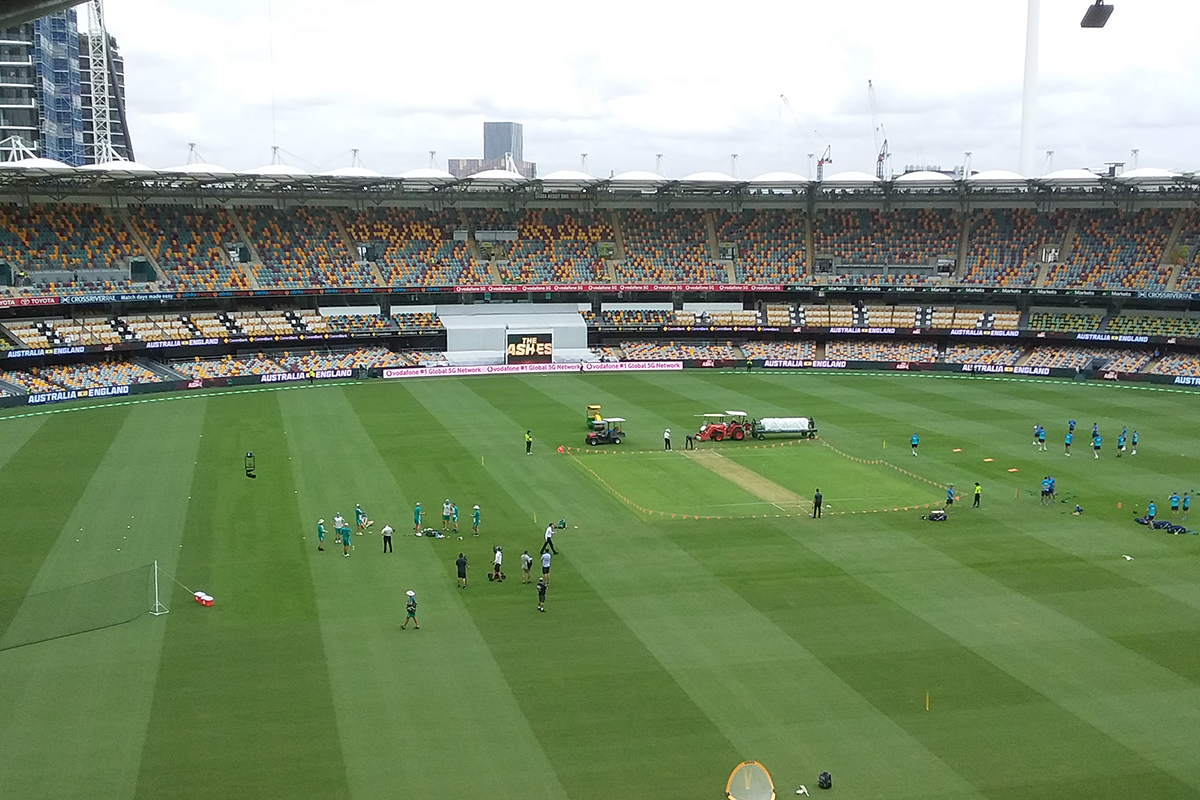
(352, 248)
(12, 388)
(143, 247)
(162, 370)
(246, 272)
(618, 238)
(714, 245)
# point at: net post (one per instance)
(159, 609)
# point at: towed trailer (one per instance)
(804, 427)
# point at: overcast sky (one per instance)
(626, 79)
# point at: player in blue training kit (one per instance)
(1133, 441)
(1070, 426)
(1095, 430)
(1067, 441)
(1041, 437)
(1120, 445)
(949, 496)
(1046, 489)
(1096, 440)
(1174, 501)
(914, 441)
(1187, 502)
(1151, 510)
(1053, 488)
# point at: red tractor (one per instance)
(730, 425)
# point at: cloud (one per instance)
(627, 80)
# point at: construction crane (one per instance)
(826, 156)
(883, 160)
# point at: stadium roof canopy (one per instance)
(128, 183)
(924, 176)
(352, 172)
(997, 176)
(781, 178)
(569, 176)
(852, 178)
(709, 177)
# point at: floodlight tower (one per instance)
(102, 140)
(1095, 17)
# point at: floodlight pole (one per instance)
(1029, 91)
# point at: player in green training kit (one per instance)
(454, 515)
(417, 518)
(345, 541)
(475, 520)
(321, 534)
(410, 610)
(360, 519)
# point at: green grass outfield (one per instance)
(671, 649)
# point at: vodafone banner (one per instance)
(510, 369)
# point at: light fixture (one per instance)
(1096, 15)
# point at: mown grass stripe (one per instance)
(242, 701)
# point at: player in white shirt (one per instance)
(447, 508)
(387, 538)
(549, 543)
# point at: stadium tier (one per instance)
(769, 246)
(1116, 250)
(191, 246)
(670, 351)
(908, 243)
(417, 247)
(212, 325)
(673, 247)
(302, 247)
(555, 246)
(77, 248)
(1006, 245)
(64, 247)
(854, 350)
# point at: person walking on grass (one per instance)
(549, 543)
(387, 538)
(545, 567)
(818, 502)
(321, 535)
(475, 520)
(410, 611)
(417, 518)
(1067, 441)
(1133, 441)
(667, 439)
(914, 441)
(1096, 440)
(526, 565)
(454, 516)
(1174, 501)
(978, 494)
(541, 590)
(528, 443)
(1151, 510)
(1041, 437)
(1187, 502)
(461, 563)
(949, 496)
(346, 541)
